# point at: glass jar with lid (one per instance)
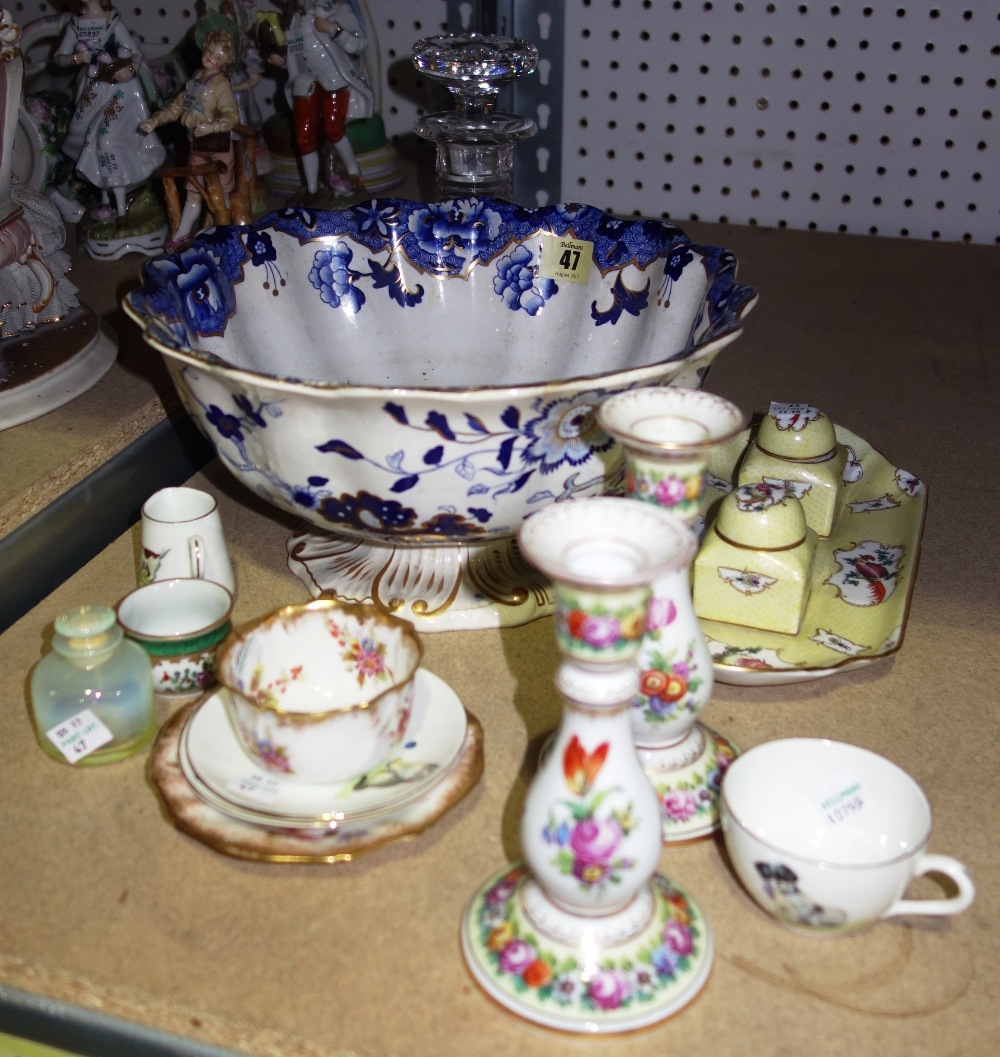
(92, 696)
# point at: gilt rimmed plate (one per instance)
(338, 842)
(223, 774)
(862, 576)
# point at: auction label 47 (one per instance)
(80, 735)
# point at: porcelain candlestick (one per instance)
(667, 437)
(585, 936)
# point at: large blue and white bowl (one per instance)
(414, 379)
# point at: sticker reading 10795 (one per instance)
(842, 811)
(840, 796)
(566, 259)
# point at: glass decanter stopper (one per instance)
(475, 142)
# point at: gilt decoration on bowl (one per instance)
(414, 375)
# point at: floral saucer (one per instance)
(219, 769)
(337, 841)
(862, 576)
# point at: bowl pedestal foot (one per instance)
(440, 587)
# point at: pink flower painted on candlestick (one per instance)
(670, 491)
(503, 889)
(601, 631)
(609, 988)
(679, 805)
(677, 937)
(662, 613)
(516, 956)
(593, 843)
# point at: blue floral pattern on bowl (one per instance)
(411, 372)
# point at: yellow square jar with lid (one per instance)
(754, 564)
(796, 445)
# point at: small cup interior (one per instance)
(174, 609)
(173, 505)
(320, 658)
(827, 802)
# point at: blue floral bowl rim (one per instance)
(690, 356)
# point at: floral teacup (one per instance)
(321, 692)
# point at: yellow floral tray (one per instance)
(862, 576)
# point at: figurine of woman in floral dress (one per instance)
(103, 138)
(207, 109)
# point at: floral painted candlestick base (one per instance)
(667, 436)
(684, 760)
(686, 778)
(586, 937)
(638, 973)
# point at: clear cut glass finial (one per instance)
(475, 142)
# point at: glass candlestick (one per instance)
(585, 936)
(667, 435)
(475, 142)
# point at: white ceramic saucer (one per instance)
(224, 775)
(336, 841)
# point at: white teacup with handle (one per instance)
(826, 836)
(182, 537)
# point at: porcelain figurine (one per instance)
(34, 284)
(327, 87)
(207, 109)
(248, 68)
(52, 347)
(103, 138)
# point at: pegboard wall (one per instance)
(875, 117)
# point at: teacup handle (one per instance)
(196, 550)
(943, 864)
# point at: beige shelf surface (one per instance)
(110, 908)
(44, 457)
